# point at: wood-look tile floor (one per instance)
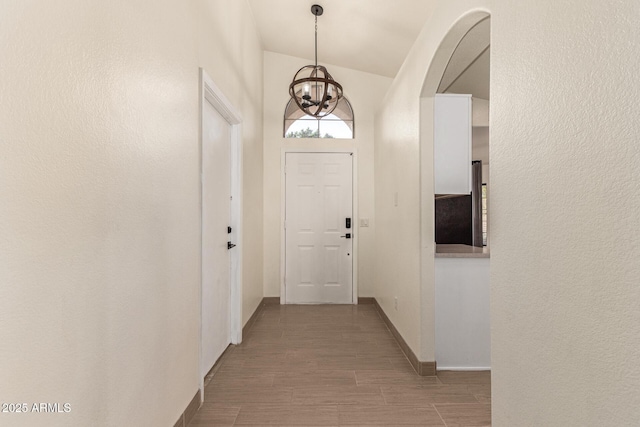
(334, 365)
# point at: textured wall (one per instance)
(404, 267)
(364, 91)
(565, 199)
(564, 203)
(397, 178)
(99, 212)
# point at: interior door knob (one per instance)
(347, 236)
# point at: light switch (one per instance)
(364, 222)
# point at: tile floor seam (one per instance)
(384, 397)
(440, 415)
(240, 409)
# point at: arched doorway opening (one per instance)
(455, 275)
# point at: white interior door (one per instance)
(216, 205)
(318, 244)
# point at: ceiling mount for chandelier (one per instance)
(313, 89)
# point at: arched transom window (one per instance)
(338, 124)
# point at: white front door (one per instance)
(216, 206)
(318, 244)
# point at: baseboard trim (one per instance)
(425, 369)
(194, 405)
(254, 316)
(252, 319)
(464, 368)
(189, 412)
(366, 300)
(216, 366)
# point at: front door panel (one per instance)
(319, 246)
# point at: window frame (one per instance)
(349, 119)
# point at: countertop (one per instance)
(461, 251)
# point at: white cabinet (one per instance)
(462, 313)
(452, 143)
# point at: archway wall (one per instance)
(404, 200)
(565, 181)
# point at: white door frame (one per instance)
(209, 92)
(354, 219)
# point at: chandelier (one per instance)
(313, 89)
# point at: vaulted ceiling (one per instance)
(374, 36)
(370, 35)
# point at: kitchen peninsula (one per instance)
(460, 251)
(463, 334)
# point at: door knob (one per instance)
(230, 245)
(347, 236)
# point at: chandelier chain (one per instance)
(313, 89)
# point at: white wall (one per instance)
(565, 200)
(364, 91)
(481, 144)
(463, 334)
(398, 253)
(99, 190)
(564, 203)
(230, 51)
